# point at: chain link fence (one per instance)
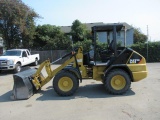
(50, 54)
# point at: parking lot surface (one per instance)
(90, 102)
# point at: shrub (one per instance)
(153, 50)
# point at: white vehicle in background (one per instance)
(14, 59)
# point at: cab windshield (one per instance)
(12, 53)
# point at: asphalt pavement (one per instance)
(90, 102)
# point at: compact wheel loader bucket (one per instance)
(23, 87)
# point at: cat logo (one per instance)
(134, 61)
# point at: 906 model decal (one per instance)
(134, 59)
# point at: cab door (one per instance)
(25, 58)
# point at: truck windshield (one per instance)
(12, 53)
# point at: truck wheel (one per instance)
(65, 83)
(35, 62)
(17, 68)
(117, 82)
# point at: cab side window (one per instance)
(28, 52)
(24, 54)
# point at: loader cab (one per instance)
(104, 56)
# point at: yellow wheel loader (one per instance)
(116, 67)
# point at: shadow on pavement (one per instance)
(4, 73)
(11, 72)
(88, 91)
(6, 97)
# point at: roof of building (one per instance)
(108, 27)
(67, 29)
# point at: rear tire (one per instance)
(65, 83)
(35, 62)
(117, 82)
(17, 68)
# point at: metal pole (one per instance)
(124, 36)
(147, 42)
(71, 41)
(94, 40)
(115, 39)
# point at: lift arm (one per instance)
(39, 80)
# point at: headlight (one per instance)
(10, 62)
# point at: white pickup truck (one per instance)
(14, 59)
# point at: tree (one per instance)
(16, 23)
(79, 31)
(139, 37)
(51, 37)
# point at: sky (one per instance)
(138, 13)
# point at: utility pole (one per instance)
(71, 41)
(147, 42)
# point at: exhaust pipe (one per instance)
(23, 87)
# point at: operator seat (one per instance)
(87, 60)
(106, 54)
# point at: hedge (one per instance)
(153, 50)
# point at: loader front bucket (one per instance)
(23, 87)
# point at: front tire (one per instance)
(65, 83)
(17, 68)
(117, 82)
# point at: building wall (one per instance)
(102, 37)
(129, 37)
